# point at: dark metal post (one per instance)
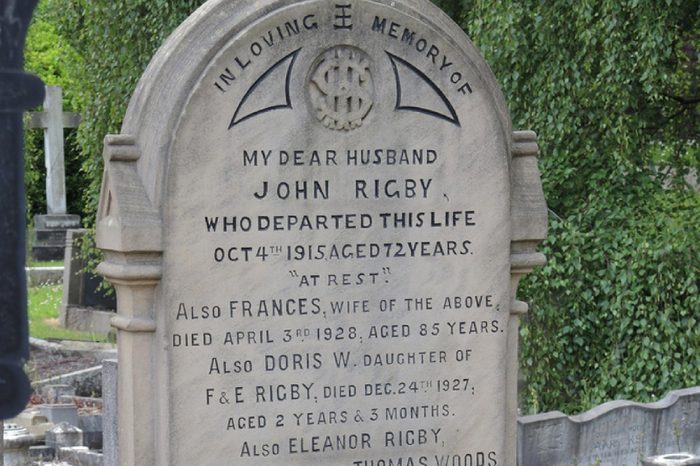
(18, 92)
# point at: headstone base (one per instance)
(64, 435)
(66, 413)
(86, 319)
(50, 235)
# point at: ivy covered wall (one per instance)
(611, 87)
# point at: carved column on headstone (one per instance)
(529, 228)
(129, 233)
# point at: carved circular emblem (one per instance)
(340, 87)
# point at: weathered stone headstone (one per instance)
(60, 412)
(91, 425)
(315, 218)
(41, 453)
(614, 433)
(52, 393)
(50, 229)
(64, 435)
(18, 92)
(84, 306)
(16, 441)
(53, 120)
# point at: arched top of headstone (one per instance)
(423, 46)
(316, 216)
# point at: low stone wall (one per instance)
(87, 382)
(39, 276)
(612, 434)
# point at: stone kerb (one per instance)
(198, 108)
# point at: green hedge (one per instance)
(614, 313)
(116, 39)
(611, 88)
(49, 56)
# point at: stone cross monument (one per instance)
(53, 120)
(50, 229)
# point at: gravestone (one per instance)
(84, 306)
(18, 92)
(64, 434)
(315, 218)
(614, 433)
(50, 229)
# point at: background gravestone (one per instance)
(84, 306)
(50, 229)
(614, 433)
(315, 218)
(18, 92)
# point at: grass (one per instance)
(44, 302)
(33, 263)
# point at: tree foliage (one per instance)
(116, 40)
(612, 89)
(50, 57)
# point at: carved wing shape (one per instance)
(416, 92)
(269, 92)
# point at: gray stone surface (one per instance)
(53, 119)
(50, 229)
(73, 264)
(91, 425)
(16, 457)
(64, 435)
(53, 463)
(80, 456)
(316, 218)
(82, 306)
(613, 434)
(87, 319)
(30, 417)
(41, 453)
(110, 442)
(52, 393)
(57, 222)
(50, 235)
(15, 445)
(60, 413)
(86, 382)
(36, 423)
(38, 276)
(11, 430)
(85, 401)
(674, 459)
